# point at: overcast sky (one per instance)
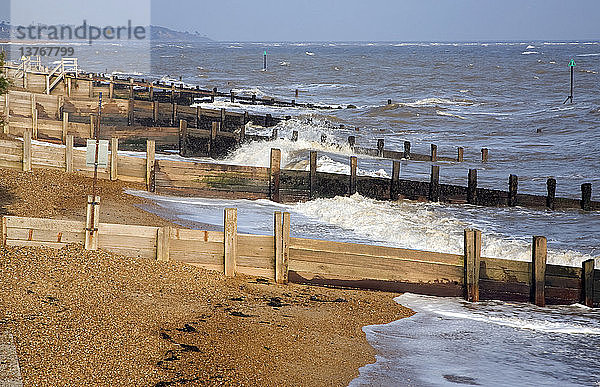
(334, 20)
(382, 20)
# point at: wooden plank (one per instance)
(230, 241)
(414, 272)
(21, 243)
(505, 270)
(128, 230)
(538, 282)
(376, 251)
(47, 235)
(197, 235)
(44, 224)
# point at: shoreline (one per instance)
(162, 322)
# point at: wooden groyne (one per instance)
(274, 182)
(282, 258)
(144, 106)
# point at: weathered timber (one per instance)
(538, 278)
(472, 257)
(274, 174)
(230, 241)
(353, 168)
(513, 183)
(550, 197)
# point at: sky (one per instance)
(382, 20)
(334, 20)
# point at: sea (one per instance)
(508, 97)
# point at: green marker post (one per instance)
(265, 61)
(572, 66)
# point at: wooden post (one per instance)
(163, 239)
(232, 96)
(434, 184)
(214, 129)
(282, 246)
(65, 126)
(131, 90)
(34, 122)
(230, 241)
(472, 187)
(91, 230)
(27, 150)
(286, 248)
(472, 257)
(586, 196)
(274, 174)
(242, 133)
(353, 167)
(130, 111)
(91, 90)
(295, 135)
(183, 134)
(69, 85)
(587, 272)
(223, 115)
(394, 188)
(538, 278)
(151, 92)
(114, 158)
(246, 118)
(60, 106)
(551, 186)
(351, 142)
(513, 184)
(150, 160)
(155, 107)
(268, 120)
(484, 155)
(69, 153)
(407, 150)
(253, 99)
(433, 153)
(461, 152)
(6, 113)
(198, 117)
(173, 112)
(313, 174)
(111, 87)
(380, 145)
(92, 126)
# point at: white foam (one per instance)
(434, 101)
(529, 52)
(422, 226)
(529, 47)
(595, 54)
(442, 113)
